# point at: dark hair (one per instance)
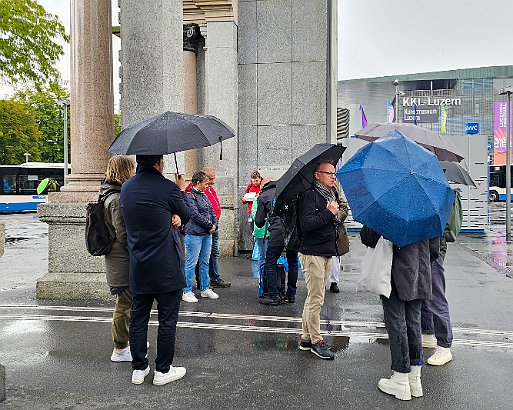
(318, 164)
(255, 175)
(148, 160)
(199, 176)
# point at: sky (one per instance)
(389, 37)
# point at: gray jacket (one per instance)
(116, 261)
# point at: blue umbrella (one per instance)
(398, 189)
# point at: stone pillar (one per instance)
(191, 38)
(2, 368)
(72, 272)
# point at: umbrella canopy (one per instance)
(440, 145)
(299, 176)
(398, 189)
(454, 172)
(170, 132)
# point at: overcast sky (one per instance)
(388, 37)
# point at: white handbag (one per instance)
(376, 270)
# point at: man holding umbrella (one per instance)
(318, 220)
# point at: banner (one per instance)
(500, 115)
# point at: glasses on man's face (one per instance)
(331, 174)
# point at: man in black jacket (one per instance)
(276, 244)
(318, 220)
(152, 208)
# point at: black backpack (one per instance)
(98, 239)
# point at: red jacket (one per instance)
(251, 188)
(211, 194)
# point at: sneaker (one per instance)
(441, 356)
(220, 284)
(334, 287)
(209, 293)
(415, 383)
(305, 345)
(322, 350)
(268, 301)
(429, 341)
(290, 299)
(189, 297)
(173, 374)
(398, 386)
(139, 375)
(123, 355)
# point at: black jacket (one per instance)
(264, 205)
(203, 217)
(156, 255)
(318, 231)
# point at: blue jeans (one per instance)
(198, 251)
(262, 246)
(213, 270)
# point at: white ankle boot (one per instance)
(398, 385)
(414, 379)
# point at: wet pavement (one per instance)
(240, 354)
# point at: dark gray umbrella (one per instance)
(441, 145)
(171, 132)
(454, 172)
(299, 176)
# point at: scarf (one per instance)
(328, 194)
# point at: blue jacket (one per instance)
(156, 255)
(202, 217)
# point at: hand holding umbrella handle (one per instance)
(180, 181)
(333, 207)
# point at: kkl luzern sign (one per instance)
(425, 109)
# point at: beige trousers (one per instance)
(316, 270)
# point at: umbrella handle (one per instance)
(221, 153)
(176, 163)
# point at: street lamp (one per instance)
(397, 95)
(65, 104)
(26, 156)
(507, 91)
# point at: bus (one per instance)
(18, 191)
(497, 179)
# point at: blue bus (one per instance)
(19, 183)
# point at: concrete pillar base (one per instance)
(2, 383)
(73, 286)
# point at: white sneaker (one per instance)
(123, 355)
(441, 356)
(209, 293)
(139, 375)
(189, 297)
(429, 341)
(173, 374)
(398, 386)
(415, 383)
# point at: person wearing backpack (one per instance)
(436, 319)
(119, 169)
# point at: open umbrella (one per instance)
(299, 177)
(454, 172)
(440, 145)
(398, 189)
(171, 132)
(42, 185)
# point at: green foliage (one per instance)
(18, 133)
(28, 51)
(117, 125)
(49, 119)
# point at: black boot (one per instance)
(334, 287)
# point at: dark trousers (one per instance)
(435, 312)
(402, 320)
(168, 305)
(271, 257)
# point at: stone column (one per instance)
(2, 368)
(191, 38)
(72, 272)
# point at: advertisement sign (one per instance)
(472, 128)
(500, 114)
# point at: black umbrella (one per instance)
(171, 132)
(299, 176)
(454, 172)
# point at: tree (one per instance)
(49, 119)
(18, 133)
(28, 51)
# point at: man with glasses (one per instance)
(318, 221)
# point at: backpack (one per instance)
(98, 238)
(455, 220)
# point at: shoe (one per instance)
(173, 374)
(123, 355)
(398, 386)
(290, 299)
(414, 379)
(334, 287)
(322, 350)
(139, 375)
(429, 341)
(441, 356)
(268, 301)
(209, 293)
(305, 345)
(189, 297)
(220, 284)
